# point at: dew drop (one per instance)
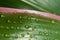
(18, 28)
(31, 36)
(20, 17)
(8, 21)
(26, 26)
(16, 36)
(30, 29)
(47, 34)
(6, 35)
(56, 39)
(1, 27)
(53, 21)
(7, 27)
(27, 33)
(45, 38)
(56, 32)
(40, 33)
(12, 27)
(29, 18)
(14, 22)
(2, 16)
(22, 35)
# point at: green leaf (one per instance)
(15, 4)
(29, 27)
(21, 24)
(52, 6)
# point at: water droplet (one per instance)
(56, 39)
(2, 16)
(18, 28)
(12, 27)
(7, 27)
(14, 22)
(56, 32)
(1, 27)
(28, 33)
(40, 33)
(36, 19)
(30, 29)
(29, 18)
(8, 21)
(47, 34)
(27, 36)
(45, 38)
(31, 36)
(22, 35)
(26, 26)
(6, 35)
(53, 21)
(16, 36)
(20, 17)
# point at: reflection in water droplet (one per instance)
(53, 21)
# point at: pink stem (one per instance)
(24, 11)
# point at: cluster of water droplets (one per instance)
(32, 33)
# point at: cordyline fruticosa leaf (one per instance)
(22, 24)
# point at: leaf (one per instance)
(15, 4)
(28, 27)
(24, 26)
(52, 6)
